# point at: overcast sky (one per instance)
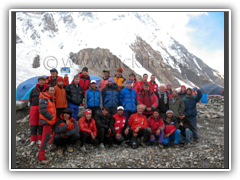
(202, 33)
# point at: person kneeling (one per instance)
(88, 130)
(171, 130)
(119, 127)
(66, 131)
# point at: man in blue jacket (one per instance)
(110, 96)
(128, 98)
(190, 102)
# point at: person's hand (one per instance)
(137, 129)
(118, 136)
(126, 131)
(167, 135)
(92, 135)
(135, 134)
(180, 124)
(149, 109)
(158, 132)
(68, 122)
(152, 137)
(66, 75)
(109, 131)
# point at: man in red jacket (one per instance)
(157, 126)
(138, 123)
(147, 98)
(135, 84)
(144, 81)
(153, 84)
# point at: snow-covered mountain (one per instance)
(134, 38)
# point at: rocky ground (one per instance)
(207, 153)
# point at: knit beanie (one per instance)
(59, 79)
(87, 111)
(111, 79)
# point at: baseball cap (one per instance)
(93, 81)
(120, 107)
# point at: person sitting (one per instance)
(157, 126)
(171, 131)
(66, 131)
(119, 79)
(119, 127)
(88, 130)
(185, 127)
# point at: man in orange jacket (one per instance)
(138, 123)
(47, 119)
(60, 95)
(119, 80)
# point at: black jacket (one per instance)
(101, 121)
(60, 129)
(162, 107)
(181, 95)
(74, 94)
(186, 124)
(34, 95)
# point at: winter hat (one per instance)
(169, 111)
(183, 86)
(41, 77)
(68, 111)
(53, 69)
(59, 79)
(169, 85)
(111, 79)
(181, 113)
(87, 111)
(174, 90)
(128, 81)
(120, 69)
(85, 69)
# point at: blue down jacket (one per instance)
(128, 99)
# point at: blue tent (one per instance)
(24, 89)
(96, 78)
(212, 89)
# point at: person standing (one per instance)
(60, 95)
(102, 119)
(93, 98)
(185, 127)
(74, 94)
(144, 81)
(153, 84)
(119, 79)
(176, 104)
(182, 92)
(34, 111)
(66, 131)
(157, 126)
(147, 98)
(191, 111)
(169, 91)
(171, 131)
(128, 98)
(163, 101)
(84, 81)
(138, 123)
(104, 80)
(119, 127)
(47, 119)
(135, 84)
(52, 80)
(88, 130)
(110, 96)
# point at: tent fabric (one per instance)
(96, 78)
(24, 89)
(212, 89)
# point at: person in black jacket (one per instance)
(186, 127)
(102, 118)
(163, 101)
(34, 111)
(74, 93)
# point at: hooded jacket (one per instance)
(60, 95)
(190, 104)
(47, 109)
(128, 99)
(34, 95)
(110, 95)
(156, 124)
(152, 100)
(74, 94)
(171, 126)
(62, 128)
(88, 126)
(93, 98)
(177, 106)
(102, 121)
(119, 80)
(103, 83)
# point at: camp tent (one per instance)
(96, 78)
(24, 89)
(212, 89)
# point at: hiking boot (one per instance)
(32, 143)
(195, 140)
(128, 141)
(143, 144)
(124, 144)
(60, 151)
(69, 148)
(45, 161)
(114, 144)
(83, 149)
(134, 145)
(187, 145)
(88, 147)
(52, 147)
(176, 145)
(101, 146)
(39, 142)
(160, 146)
(181, 144)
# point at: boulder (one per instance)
(81, 111)
(21, 105)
